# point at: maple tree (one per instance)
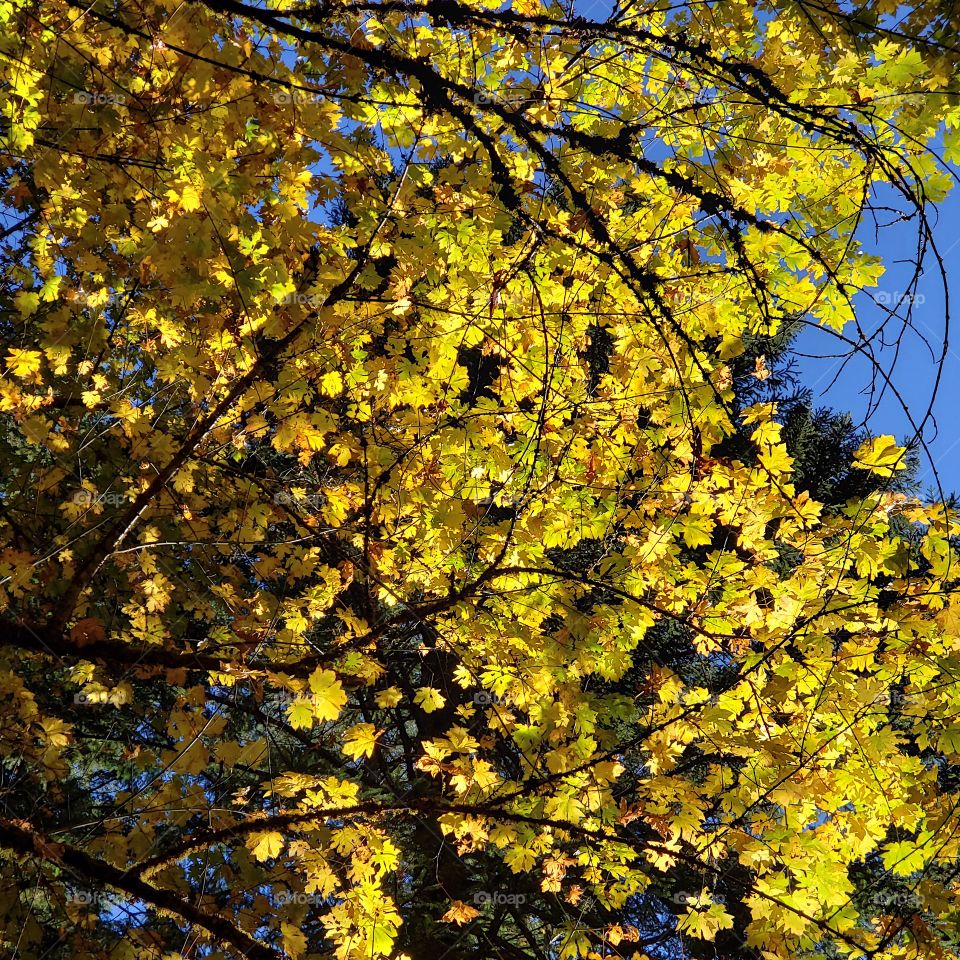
(405, 550)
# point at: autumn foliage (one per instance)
(394, 563)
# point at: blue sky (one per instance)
(912, 365)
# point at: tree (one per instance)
(403, 551)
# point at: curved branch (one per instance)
(22, 838)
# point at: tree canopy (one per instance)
(413, 542)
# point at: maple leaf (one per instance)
(188, 198)
(880, 455)
(328, 695)
(360, 740)
(27, 302)
(519, 858)
(760, 370)
(388, 698)
(429, 698)
(905, 857)
(301, 714)
(294, 940)
(705, 920)
(267, 845)
(24, 363)
(460, 913)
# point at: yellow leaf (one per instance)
(949, 620)
(300, 714)
(27, 302)
(702, 921)
(360, 740)
(519, 858)
(341, 453)
(50, 289)
(881, 456)
(264, 846)
(331, 383)
(389, 698)
(23, 363)
(904, 857)
(189, 199)
(328, 696)
(697, 531)
(294, 942)
(430, 699)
